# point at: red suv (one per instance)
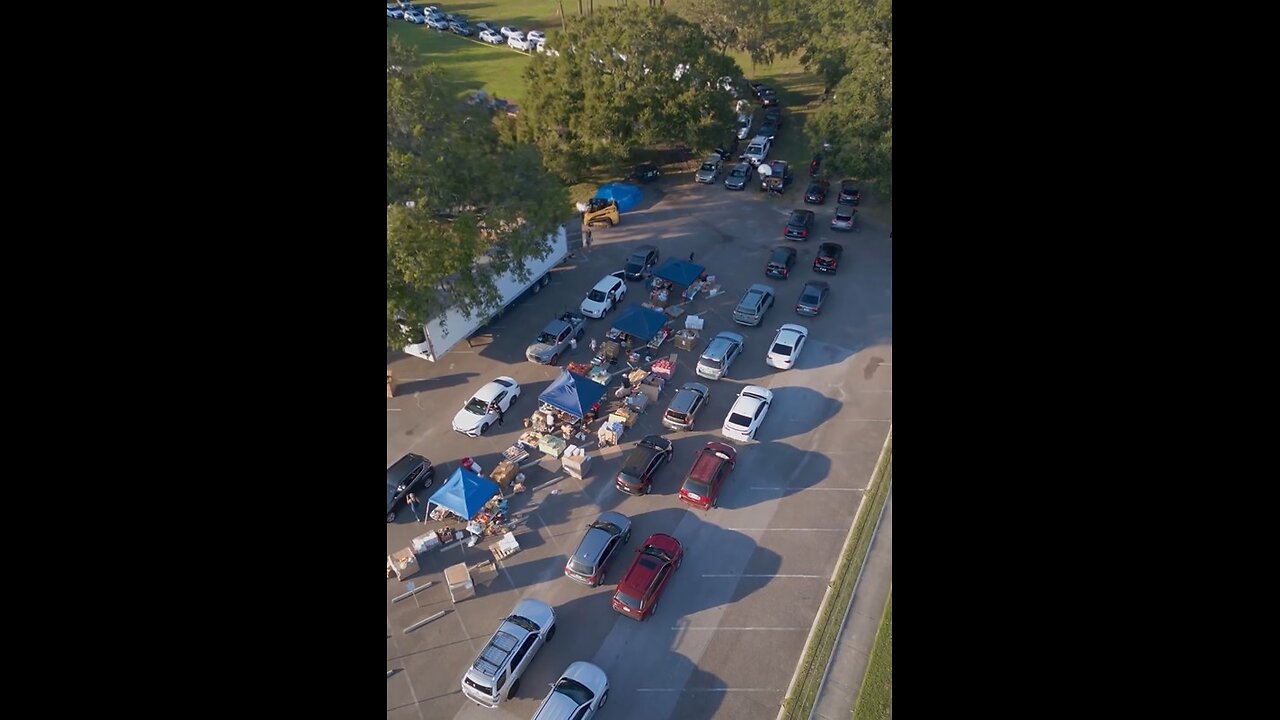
(713, 464)
(656, 561)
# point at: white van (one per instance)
(758, 150)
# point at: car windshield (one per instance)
(595, 296)
(710, 362)
(629, 601)
(524, 622)
(780, 349)
(580, 567)
(796, 219)
(809, 299)
(708, 166)
(738, 172)
(677, 415)
(547, 338)
(656, 552)
(575, 691)
(477, 407)
(634, 267)
(607, 527)
(696, 486)
(482, 688)
(739, 419)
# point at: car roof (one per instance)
(745, 405)
(726, 335)
(760, 288)
(820, 284)
(782, 250)
(640, 575)
(555, 326)
(491, 389)
(830, 246)
(707, 463)
(606, 283)
(848, 182)
(788, 334)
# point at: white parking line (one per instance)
(761, 576)
(708, 690)
(843, 530)
(393, 409)
(810, 488)
(679, 628)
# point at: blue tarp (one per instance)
(640, 322)
(573, 394)
(465, 494)
(680, 272)
(627, 195)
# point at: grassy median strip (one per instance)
(875, 699)
(831, 616)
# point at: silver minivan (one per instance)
(495, 675)
(723, 349)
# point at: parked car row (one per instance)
(434, 17)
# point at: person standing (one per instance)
(391, 388)
(593, 346)
(573, 344)
(498, 409)
(690, 257)
(586, 239)
(414, 504)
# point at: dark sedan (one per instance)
(773, 115)
(812, 297)
(816, 193)
(645, 172)
(604, 537)
(739, 177)
(642, 463)
(849, 193)
(828, 258)
(769, 130)
(799, 225)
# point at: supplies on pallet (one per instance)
(552, 445)
(610, 433)
(665, 367)
(578, 466)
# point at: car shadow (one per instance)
(436, 383)
(796, 411)
(776, 470)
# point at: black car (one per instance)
(849, 193)
(816, 193)
(410, 473)
(799, 225)
(812, 297)
(642, 463)
(780, 262)
(640, 262)
(768, 98)
(729, 149)
(603, 539)
(769, 130)
(645, 172)
(828, 257)
(758, 88)
(773, 115)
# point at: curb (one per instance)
(831, 585)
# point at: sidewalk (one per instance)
(839, 690)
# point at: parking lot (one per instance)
(729, 630)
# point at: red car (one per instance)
(702, 485)
(638, 591)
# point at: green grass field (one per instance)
(875, 699)
(498, 70)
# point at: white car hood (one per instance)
(464, 421)
(593, 308)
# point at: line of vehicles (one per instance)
(434, 17)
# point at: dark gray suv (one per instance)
(410, 473)
(685, 405)
(589, 563)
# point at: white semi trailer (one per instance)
(450, 327)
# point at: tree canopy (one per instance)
(851, 45)
(625, 77)
(455, 192)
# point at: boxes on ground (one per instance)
(552, 445)
(404, 563)
(577, 465)
(686, 339)
(694, 323)
(425, 542)
(624, 415)
(458, 577)
(504, 473)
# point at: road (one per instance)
(729, 631)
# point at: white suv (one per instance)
(604, 296)
(495, 675)
(758, 150)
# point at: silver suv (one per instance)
(495, 675)
(589, 563)
(752, 306)
(719, 355)
(685, 405)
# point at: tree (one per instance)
(625, 77)
(851, 45)
(455, 193)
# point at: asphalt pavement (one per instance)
(733, 621)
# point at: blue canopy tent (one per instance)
(627, 196)
(573, 394)
(679, 272)
(640, 322)
(465, 493)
